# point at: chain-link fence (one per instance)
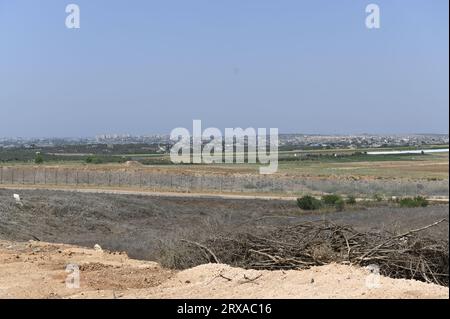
(195, 182)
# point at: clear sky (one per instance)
(144, 67)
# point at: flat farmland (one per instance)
(416, 167)
(362, 176)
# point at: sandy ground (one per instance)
(38, 270)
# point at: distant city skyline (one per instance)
(146, 67)
(167, 134)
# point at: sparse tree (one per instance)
(38, 158)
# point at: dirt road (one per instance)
(119, 191)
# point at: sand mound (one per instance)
(38, 270)
(329, 281)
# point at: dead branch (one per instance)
(203, 247)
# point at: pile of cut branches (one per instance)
(407, 255)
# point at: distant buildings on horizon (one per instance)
(286, 140)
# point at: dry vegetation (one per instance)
(263, 234)
(406, 255)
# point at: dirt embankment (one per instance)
(38, 270)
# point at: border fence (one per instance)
(145, 179)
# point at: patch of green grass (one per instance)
(357, 157)
(417, 201)
(331, 199)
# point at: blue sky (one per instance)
(145, 67)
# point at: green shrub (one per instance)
(309, 203)
(422, 201)
(351, 200)
(39, 159)
(407, 202)
(93, 160)
(340, 204)
(331, 199)
(417, 201)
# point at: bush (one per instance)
(331, 199)
(351, 200)
(422, 201)
(417, 201)
(39, 159)
(309, 203)
(93, 160)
